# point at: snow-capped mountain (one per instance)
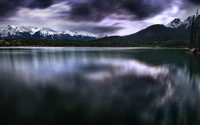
(175, 30)
(84, 33)
(33, 29)
(188, 22)
(48, 32)
(175, 23)
(11, 31)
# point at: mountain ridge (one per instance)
(11, 31)
(175, 30)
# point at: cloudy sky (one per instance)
(110, 17)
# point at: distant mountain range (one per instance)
(11, 31)
(175, 30)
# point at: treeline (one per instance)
(33, 42)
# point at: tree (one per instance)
(192, 33)
(7, 44)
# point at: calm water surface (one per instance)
(137, 86)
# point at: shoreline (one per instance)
(193, 51)
(139, 47)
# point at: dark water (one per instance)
(115, 86)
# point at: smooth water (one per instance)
(137, 86)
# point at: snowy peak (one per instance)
(11, 31)
(34, 29)
(81, 33)
(84, 33)
(48, 31)
(187, 22)
(175, 23)
(68, 32)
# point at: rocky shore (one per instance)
(193, 51)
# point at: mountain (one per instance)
(175, 30)
(175, 23)
(11, 31)
(153, 33)
(188, 22)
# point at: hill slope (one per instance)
(175, 30)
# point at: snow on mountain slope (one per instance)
(68, 32)
(187, 22)
(48, 31)
(34, 29)
(175, 23)
(84, 33)
(6, 30)
(81, 33)
(11, 31)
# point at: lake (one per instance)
(116, 86)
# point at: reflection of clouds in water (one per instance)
(38, 67)
(97, 85)
(119, 67)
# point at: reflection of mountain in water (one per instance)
(51, 86)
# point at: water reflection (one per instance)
(96, 86)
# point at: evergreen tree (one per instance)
(196, 29)
(192, 33)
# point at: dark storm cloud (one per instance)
(97, 16)
(104, 29)
(97, 29)
(8, 7)
(195, 1)
(97, 10)
(93, 10)
(40, 3)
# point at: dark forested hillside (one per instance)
(154, 33)
(118, 43)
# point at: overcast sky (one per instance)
(110, 17)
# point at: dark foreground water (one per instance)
(104, 86)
